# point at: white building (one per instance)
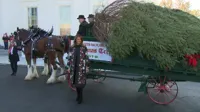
(61, 14)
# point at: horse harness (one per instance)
(35, 37)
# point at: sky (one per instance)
(195, 4)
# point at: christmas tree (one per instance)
(162, 34)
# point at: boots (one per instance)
(79, 98)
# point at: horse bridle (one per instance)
(23, 43)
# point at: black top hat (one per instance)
(91, 16)
(81, 17)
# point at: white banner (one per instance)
(97, 51)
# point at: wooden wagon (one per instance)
(159, 85)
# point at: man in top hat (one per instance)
(90, 25)
(83, 26)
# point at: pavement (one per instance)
(113, 95)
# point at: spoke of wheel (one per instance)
(166, 93)
(157, 94)
(164, 98)
(171, 93)
(174, 89)
(173, 83)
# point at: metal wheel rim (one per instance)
(166, 91)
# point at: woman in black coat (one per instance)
(78, 62)
(13, 57)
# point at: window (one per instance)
(32, 17)
(65, 20)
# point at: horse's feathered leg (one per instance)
(62, 67)
(52, 59)
(46, 68)
(35, 73)
(29, 75)
(61, 61)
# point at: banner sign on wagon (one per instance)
(97, 51)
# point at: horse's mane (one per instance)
(42, 30)
(22, 29)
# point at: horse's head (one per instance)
(21, 35)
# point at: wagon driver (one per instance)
(83, 26)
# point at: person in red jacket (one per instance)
(5, 40)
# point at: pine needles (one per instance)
(165, 35)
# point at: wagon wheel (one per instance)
(70, 83)
(161, 90)
(100, 77)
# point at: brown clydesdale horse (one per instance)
(48, 47)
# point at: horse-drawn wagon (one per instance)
(160, 85)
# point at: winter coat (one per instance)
(78, 62)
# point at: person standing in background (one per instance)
(13, 56)
(5, 40)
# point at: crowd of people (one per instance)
(78, 61)
(6, 39)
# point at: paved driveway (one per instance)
(17, 95)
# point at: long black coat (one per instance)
(90, 29)
(14, 57)
(83, 29)
(78, 62)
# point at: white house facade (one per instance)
(61, 14)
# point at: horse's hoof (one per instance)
(51, 80)
(27, 78)
(61, 78)
(44, 73)
(37, 76)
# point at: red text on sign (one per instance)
(102, 51)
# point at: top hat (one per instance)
(81, 17)
(91, 16)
